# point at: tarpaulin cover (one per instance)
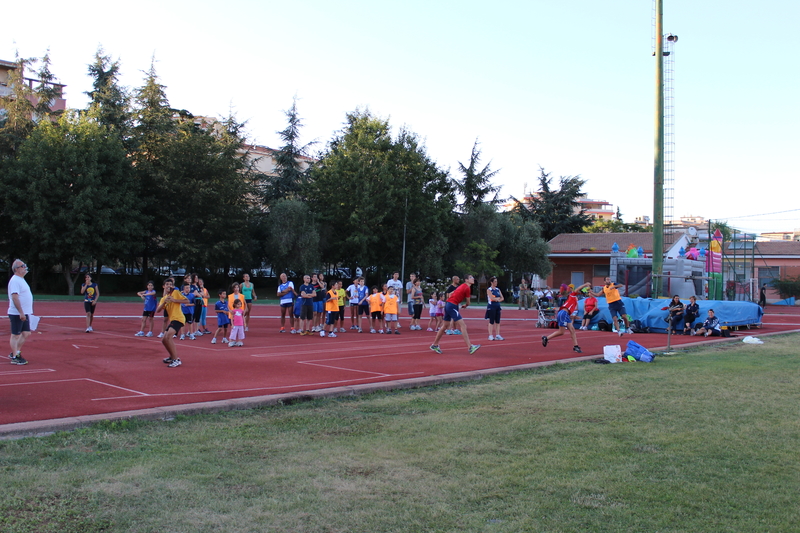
(649, 312)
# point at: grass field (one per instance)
(704, 440)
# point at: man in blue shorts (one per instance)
(20, 309)
(451, 312)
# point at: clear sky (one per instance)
(568, 86)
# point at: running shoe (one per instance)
(491, 337)
(334, 335)
(322, 333)
(139, 334)
(474, 348)
(341, 330)
(435, 348)
(544, 341)
(168, 360)
(283, 330)
(360, 330)
(149, 334)
(191, 336)
(456, 332)
(630, 331)
(293, 332)
(214, 340)
(396, 332)
(206, 332)
(430, 329)
(174, 364)
(231, 344)
(498, 338)
(18, 359)
(621, 332)
(183, 336)
(224, 340)
(160, 335)
(448, 332)
(577, 349)
(89, 330)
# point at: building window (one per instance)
(601, 271)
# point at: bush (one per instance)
(787, 287)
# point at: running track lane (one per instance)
(72, 373)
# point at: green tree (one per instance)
(293, 237)
(207, 207)
(522, 248)
(109, 102)
(153, 131)
(616, 226)
(475, 186)
(25, 105)
(556, 211)
(369, 190)
(291, 175)
(73, 194)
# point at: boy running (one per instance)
(564, 319)
(459, 295)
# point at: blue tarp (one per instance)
(649, 312)
(787, 301)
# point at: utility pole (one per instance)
(658, 167)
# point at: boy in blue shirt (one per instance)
(223, 317)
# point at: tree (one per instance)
(616, 226)
(153, 129)
(556, 211)
(293, 237)
(369, 190)
(109, 102)
(207, 207)
(522, 248)
(73, 195)
(475, 186)
(290, 173)
(24, 106)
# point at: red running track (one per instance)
(72, 373)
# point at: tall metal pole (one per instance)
(658, 167)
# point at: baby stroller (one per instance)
(547, 315)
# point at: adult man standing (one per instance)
(461, 294)
(20, 308)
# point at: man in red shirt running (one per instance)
(461, 294)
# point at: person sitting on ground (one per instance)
(690, 314)
(675, 317)
(710, 327)
(590, 309)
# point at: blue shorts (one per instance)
(617, 308)
(319, 307)
(18, 325)
(451, 312)
(563, 318)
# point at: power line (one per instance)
(762, 214)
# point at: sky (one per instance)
(564, 86)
